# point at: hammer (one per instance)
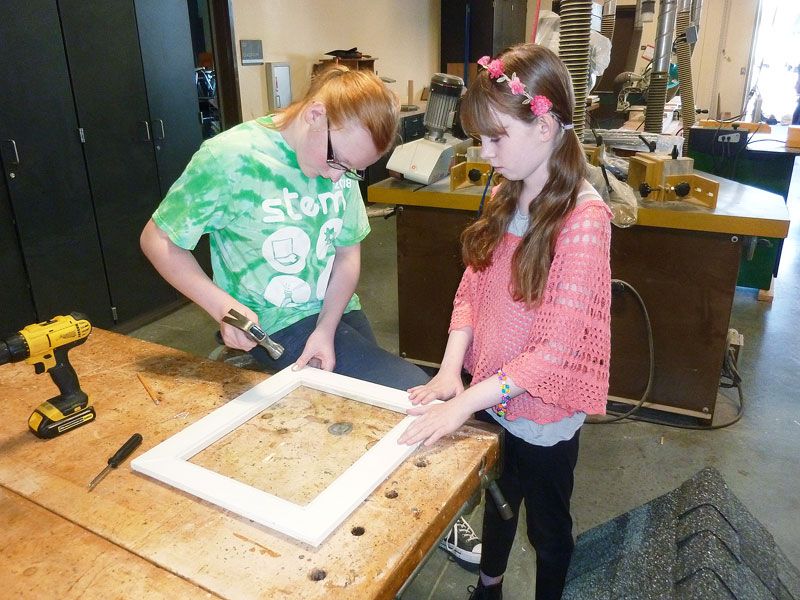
(238, 320)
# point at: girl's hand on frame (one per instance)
(318, 352)
(443, 386)
(435, 421)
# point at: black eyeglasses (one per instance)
(357, 174)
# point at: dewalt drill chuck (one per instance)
(45, 346)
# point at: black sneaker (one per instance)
(462, 543)
(482, 592)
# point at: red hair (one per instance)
(348, 95)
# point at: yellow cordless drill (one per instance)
(45, 346)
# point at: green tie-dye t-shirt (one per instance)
(272, 230)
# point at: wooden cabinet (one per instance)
(682, 262)
(429, 269)
(99, 118)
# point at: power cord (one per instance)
(618, 286)
(735, 419)
(729, 372)
(736, 158)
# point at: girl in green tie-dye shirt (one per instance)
(279, 200)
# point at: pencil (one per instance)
(150, 392)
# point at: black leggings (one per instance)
(543, 477)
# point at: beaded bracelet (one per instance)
(500, 409)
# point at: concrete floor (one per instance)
(624, 465)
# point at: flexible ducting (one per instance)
(657, 92)
(573, 49)
(609, 18)
(684, 51)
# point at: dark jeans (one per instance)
(543, 476)
(357, 352)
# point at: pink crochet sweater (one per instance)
(559, 350)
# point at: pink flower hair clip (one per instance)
(539, 104)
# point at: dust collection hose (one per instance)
(573, 49)
(684, 51)
(657, 92)
(609, 18)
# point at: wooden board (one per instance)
(45, 556)
(291, 436)
(743, 125)
(369, 556)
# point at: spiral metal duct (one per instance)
(657, 92)
(684, 51)
(573, 49)
(609, 18)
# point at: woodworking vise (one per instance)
(665, 177)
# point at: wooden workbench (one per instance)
(682, 259)
(741, 209)
(135, 537)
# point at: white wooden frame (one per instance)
(312, 523)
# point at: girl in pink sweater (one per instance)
(531, 318)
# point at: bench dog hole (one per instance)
(317, 575)
(357, 530)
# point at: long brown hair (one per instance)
(351, 96)
(544, 74)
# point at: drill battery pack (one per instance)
(48, 421)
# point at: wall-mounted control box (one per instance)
(279, 85)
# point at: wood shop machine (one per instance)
(675, 249)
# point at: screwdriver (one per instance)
(119, 456)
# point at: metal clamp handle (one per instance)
(500, 502)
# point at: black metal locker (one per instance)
(167, 56)
(102, 45)
(45, 175)
(98, 116)
(16, 303)
(169, 69)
